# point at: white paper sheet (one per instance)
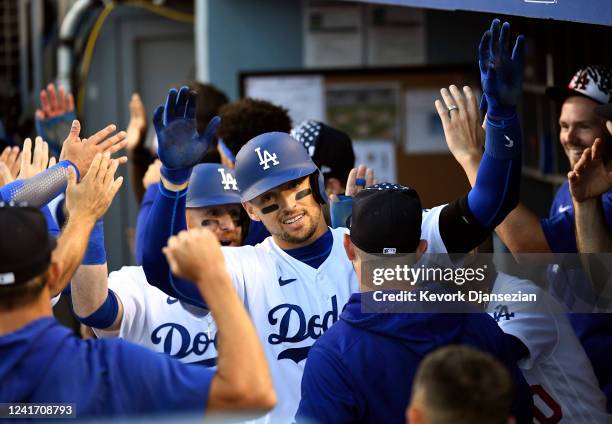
(396, 35)
(302, 95)
(423, 132)
(333, 35)
(378, 155)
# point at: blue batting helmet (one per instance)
(272, 159)
(212, 184)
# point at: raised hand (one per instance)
(91, 198)
(358, 179)
(152, 175)
(138, 123)
(501, 73)
(11, 158)
(5, 175)
(590, 178)
(462, 126)
(33, 162)
(180, 147)
(55, 115)
(81, 153)
(194, 254)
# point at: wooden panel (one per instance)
(437, 178)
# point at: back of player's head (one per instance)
(386, 220)
(460, 384)
(209, 101)
(25, 255)
(330, 149)
(247, 118)
(271, 160)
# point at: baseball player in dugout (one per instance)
(580, 217)
(347, 377)
(295, 283)
(113, 377)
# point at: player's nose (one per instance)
(226, 223)
(287, 199)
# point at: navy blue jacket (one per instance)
(362, 368)
(43, 362)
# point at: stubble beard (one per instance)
(299, 239)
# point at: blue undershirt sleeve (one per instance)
(497, 187)
(166, 218)
(52, 227)
(141, 220)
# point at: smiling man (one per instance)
(522, 231)
(295, 283)
(124, 305)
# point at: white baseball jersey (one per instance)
(154, 320)
(564, 386)
(292, 304)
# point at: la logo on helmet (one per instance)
(266, 158)
(228, 180)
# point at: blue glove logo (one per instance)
(180, 146)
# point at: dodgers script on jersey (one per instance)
(564, 386)
(161, 323)
(292, 304)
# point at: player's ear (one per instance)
(250, 210)
(348, 247)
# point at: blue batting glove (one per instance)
(501, 74)
(180, 147)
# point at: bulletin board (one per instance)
(388, 112)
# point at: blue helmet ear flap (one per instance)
(317, 185)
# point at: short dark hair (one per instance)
(14, 296)
(461, 384)
(210, 100)
(247, 118)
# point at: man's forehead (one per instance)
(579, 108)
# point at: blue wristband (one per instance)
(503, 137)
(66, 163)
(95, 253)
(176, 176)
(105, 315)
(497, 111)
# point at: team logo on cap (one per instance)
(593, 81)
(266, 158)
(228, 180)
(389, 251)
